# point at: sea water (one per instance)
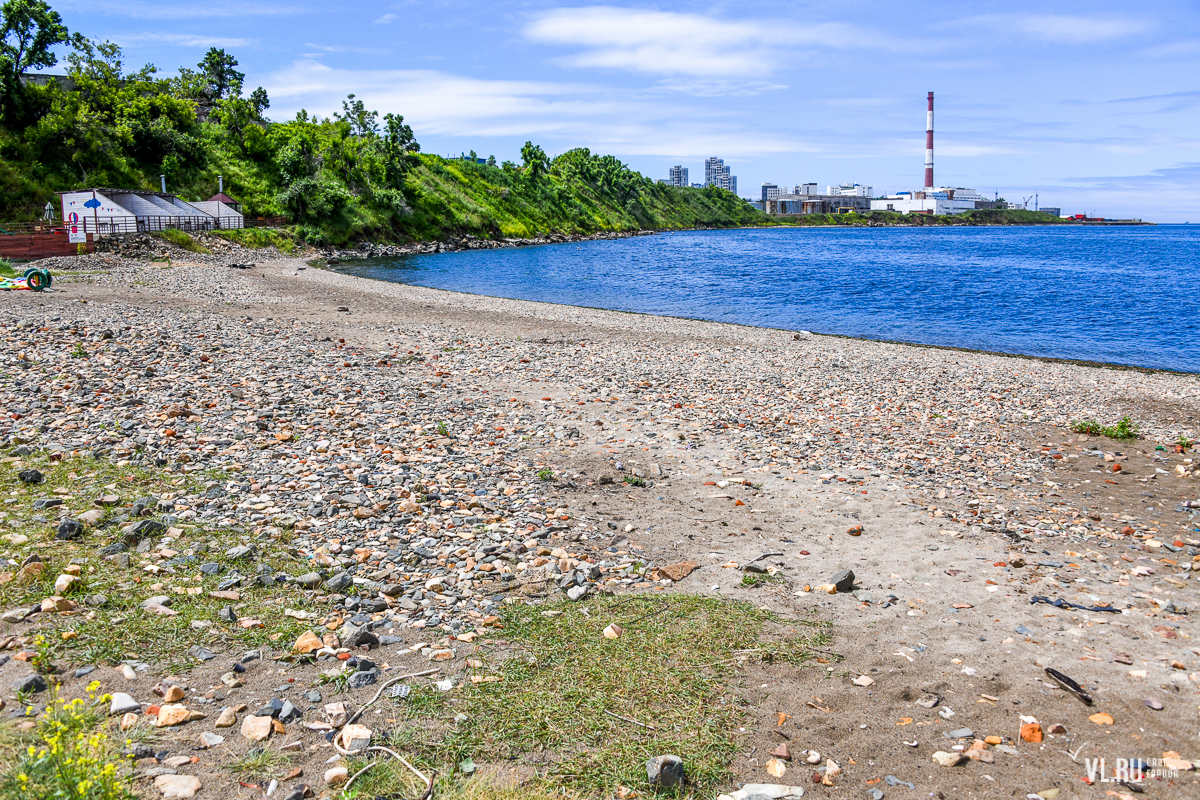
(1123, 295)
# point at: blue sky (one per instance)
(1094, 106)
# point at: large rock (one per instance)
(355, 636)
(172, 714)
(256, 729)
(307, 643)
(181, 786)
(948, 759)
(338, 582)
(363, 678)
(69, 529)
(843, 581)
(239, 552)
(30, 683)
(355, 737)
(309, 580)
(665, 771)
(123, 704)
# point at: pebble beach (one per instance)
(343, 466)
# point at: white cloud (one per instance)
(182, 39)
(709, 87)
(1058, 28)
(338, 48)
(150, 10)
(668, 43)
(386, 18)
(570, 114)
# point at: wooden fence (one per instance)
(31, 247)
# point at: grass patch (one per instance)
(752, 579)
(260, 762)
(281, 239)
(566, 689)
(7, 270)
(181, 239)
(1125, 430)
(115, 626)
(71, 754)
(545, 474)
(634, 480)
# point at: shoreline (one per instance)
(409, 465)
(850, 337)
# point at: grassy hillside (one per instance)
(579, 193)
(350, 176)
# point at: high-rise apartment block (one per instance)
(717, 174)
(678, 176)
(771, 191)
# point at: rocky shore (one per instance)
(282, 480)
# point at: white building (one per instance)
(102, 211)
(771, 192)
(849, 190)
(678, 176)
(938, 201)
(805, 189)
(717, 174)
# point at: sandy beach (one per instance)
(628, 454)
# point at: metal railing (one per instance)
(105, 226)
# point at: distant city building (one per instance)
(717, 174)
(770, 191)
(805, 188)
(849, 190)
(697, 185)
(939, 201)
(812, 203)
(678, 176)
(1054, 212)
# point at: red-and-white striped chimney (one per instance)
(929, 145)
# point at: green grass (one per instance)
(7, 270)
(675, 671)
(545, 474)
(1125, 430)
(281, 239)
(121, 628)
(72, 754)
(634, 480)
(181, 239)
(260, 762)
(752, 579)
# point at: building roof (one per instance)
(221, 197)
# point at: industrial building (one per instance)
(805, 204)
(936, 200)
(849, 190)
(105, 211)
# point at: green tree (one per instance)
(362, 122)
(219, 78)
(536, 163)
(28, 29)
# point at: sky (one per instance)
(1093, 107)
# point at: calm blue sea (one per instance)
(1125, 295)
